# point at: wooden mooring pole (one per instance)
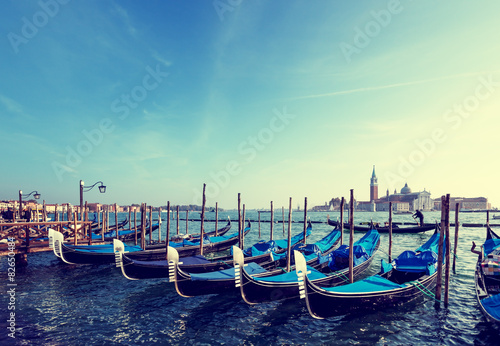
(439, 279)
(447, 252)
(239, 220)
(289, 247)
(305, 220)
(272, 221)
(177, 219)
(216, 219)
(167, 236)
(351, 237)
(243, 228)
(390, 232)
(342, 205)
(457, 226)
(204, 200)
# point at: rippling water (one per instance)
(60, 304)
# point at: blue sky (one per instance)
(272, 99)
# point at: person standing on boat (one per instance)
(420, 216)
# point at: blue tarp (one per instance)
(492, 306)
(372, 284)
(362, 249)
(490, 245)
(432, 244)
(291, 276)
(106, 249)
(410, 261)
(262, 247)
(251, 268)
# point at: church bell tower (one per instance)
(373, 186)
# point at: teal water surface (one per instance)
(60, 304)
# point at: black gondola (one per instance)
(404, 280)
(487, 277)
(135, 270)
(106, 254)
(191, 284)
(385, 229)
(325, 271)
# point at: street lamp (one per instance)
(102, 189)
(34, 193)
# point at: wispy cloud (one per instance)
(11, 105)
(395, 85)
(123, 14)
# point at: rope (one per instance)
(343, 276)
(425, 290)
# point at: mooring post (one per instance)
(305, 220)
(204, 200)
(289, 247)
(243, 228)
(440, 252)
(177, 219)
(167, 235)
(390, 232)
(150, 224)
(116, 221)
(457, 226)
(487, 217)
(187, 219)
(143, 225)
(159, 224)
(216, 219)
(447, 252)
(342, 205)
(351, 237)
(135, 224)
(75, 217)
(272, 221)
(239, 220)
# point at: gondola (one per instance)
(404, 280)
(195, 284)
(99, 254)
(487, 277)
(135, 270)
(329, 270)
(385, 229)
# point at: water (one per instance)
(60, 304)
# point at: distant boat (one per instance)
(496, 217)
(385, 229)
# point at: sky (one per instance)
(271, 99)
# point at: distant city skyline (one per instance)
(270, 99)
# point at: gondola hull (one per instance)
(403, 229)
(254, 291)
(323, 304)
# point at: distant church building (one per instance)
(405, 200)
(373, 186)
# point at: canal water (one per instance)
(60, 304)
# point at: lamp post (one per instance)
(34, 193)
(102, 189)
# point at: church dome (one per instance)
(405, 190)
